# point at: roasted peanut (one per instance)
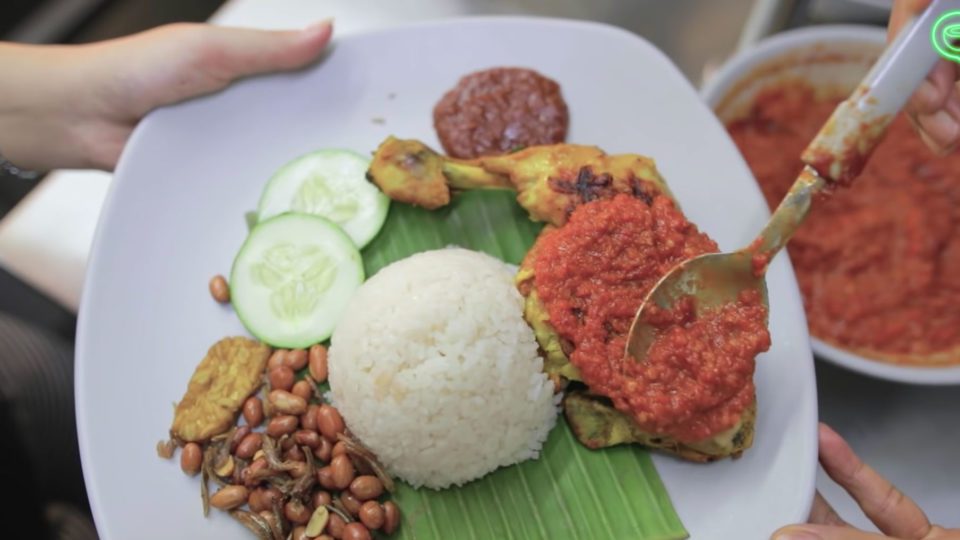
(391, 517)
(324, 451)
(351, 503)
(318, 521)
(226, 469)
(229, 497)
(302, 389)
(249, 446)
(366, 487)
(296, 359)
(342, 471)
(281, 378)
(339, 449)
(191, 458)
(249, 474)
(299, 533)
(356, 531)
(269, 495)
(335, 525)
(296, 512)
(329, 422)
(318, 363)
(276, 359)
(320, 498)
(286, 403)
(307, 438)
(325, 478)
(253, 411)
(281, 425)
(372, 515)
(219, 289)
(308, 420)
(238, 435)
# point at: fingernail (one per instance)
(319, 26)
(796, 533)
(927, 95)
(941, 126)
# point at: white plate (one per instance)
(174, 218)
(834, 57)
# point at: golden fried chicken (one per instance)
(550, 180)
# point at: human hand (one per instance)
(890, 510)
(75, 106)
(934, 109)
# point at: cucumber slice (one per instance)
(292, 279)
(332, 184)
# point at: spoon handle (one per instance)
(841, 148)
(839, 151)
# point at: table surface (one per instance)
(910, 434)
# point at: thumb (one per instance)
(231, 53)
(824, 532)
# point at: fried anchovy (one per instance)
(256, 524)
(355, 448)
(316, 389)
(336, 506)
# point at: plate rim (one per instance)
(96, 257)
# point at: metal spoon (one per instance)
(836, 156)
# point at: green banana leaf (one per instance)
(571, 491)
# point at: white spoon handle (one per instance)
(842, 146)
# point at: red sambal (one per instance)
(593, 274)
(878, 263)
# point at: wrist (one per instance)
(42, 109)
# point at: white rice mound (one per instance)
(434, 368)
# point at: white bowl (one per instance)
(833, 58)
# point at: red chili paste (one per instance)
(593, 274)
(878, 263)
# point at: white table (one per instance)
(910, 434)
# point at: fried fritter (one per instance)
(231, 372)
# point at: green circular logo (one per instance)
(945, 34)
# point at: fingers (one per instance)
(824, 514)
(901, 12)
(934, 109)
(888, 508)
(824, 532)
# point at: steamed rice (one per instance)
(434, 368)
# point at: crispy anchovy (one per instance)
(272, 453)
(316, 389)
(278, 515)
(256, 524)
(211, 459)
(166, 448)
(301, 486)
(355, 448)
(336, 506)
(204, 476)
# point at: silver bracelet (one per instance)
(8, 168)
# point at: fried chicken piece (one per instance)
(231, 372)
(550, 180)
